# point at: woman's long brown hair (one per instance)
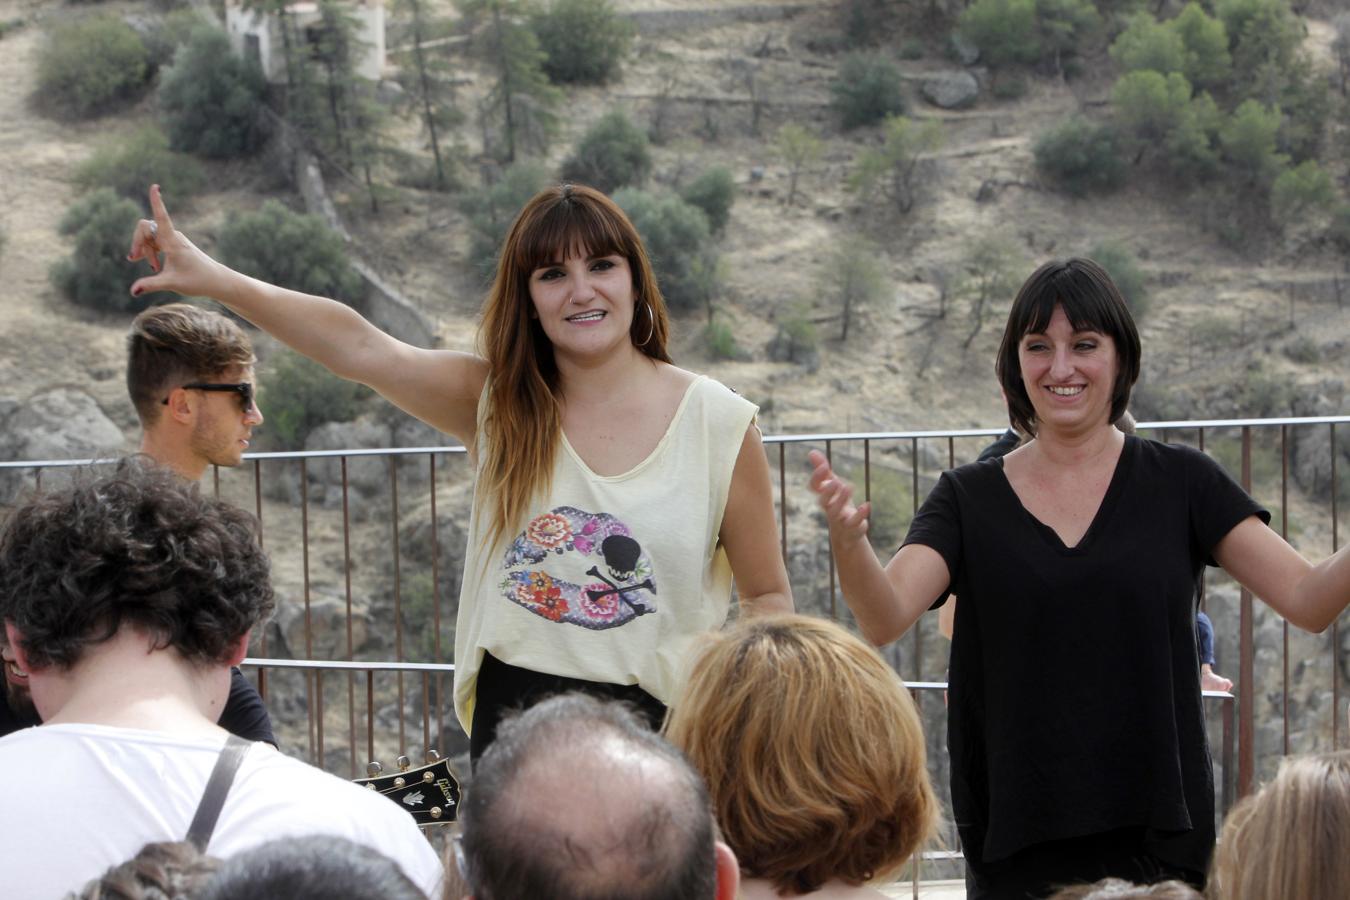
(523, 421)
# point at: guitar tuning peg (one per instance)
(432, 756)
(403, 763)
(373, 769)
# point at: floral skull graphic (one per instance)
(587, 569)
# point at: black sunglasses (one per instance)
(244, 389)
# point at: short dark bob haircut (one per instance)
(1092, 302)
(131, 544)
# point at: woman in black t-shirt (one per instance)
(1075, 759)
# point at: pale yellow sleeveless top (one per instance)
(612, 578)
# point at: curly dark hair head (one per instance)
(136, 546)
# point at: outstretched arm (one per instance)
(750, 534)
(1309, 596)
(885, 601)
(440, 387)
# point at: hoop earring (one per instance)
(651, 331)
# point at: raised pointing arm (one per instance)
(440, 387)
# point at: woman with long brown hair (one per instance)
(617, 494)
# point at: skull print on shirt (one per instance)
(569, 565)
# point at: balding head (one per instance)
(576, 800)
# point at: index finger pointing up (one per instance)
(164, 225)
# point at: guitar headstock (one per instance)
(430, 792)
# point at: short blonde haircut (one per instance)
(1290, 839)
(812, 750)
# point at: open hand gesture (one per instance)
(846, 521)
(179, 266)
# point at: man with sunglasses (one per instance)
(190, 377)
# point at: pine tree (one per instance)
(426, 83)
(522, 101)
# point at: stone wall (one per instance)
(383, 304)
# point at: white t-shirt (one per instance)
(78, 799)
(613, 577)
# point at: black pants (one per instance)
(504, 688)
(1041, 869)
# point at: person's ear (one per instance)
(179, 407)
(240, 649)
(14, 638)
(728, 872)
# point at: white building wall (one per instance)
(251, 29)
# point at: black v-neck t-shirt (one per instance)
(1075, 701)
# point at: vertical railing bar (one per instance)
(398, 600)
(215, 481)
(1226, 800)
(1204, 576)
(914, 475)
(1336, 622)
(304, 555)
(426, 714)
(37, 480)
(309, 624)
(1284, 623)
(436, 608)
(370, 715)
(951, 460)
(915, 859)
(322, 759)
(1246, 653)
(257, 495)
(867, 469)
(782, 498)
(829, 551)
(914, 502)
(351, 644)
(258, 513)
(309, 712)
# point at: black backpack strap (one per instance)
(217, 788)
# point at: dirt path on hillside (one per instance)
(44, 340)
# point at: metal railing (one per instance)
(364, 549)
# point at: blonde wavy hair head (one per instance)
(812, 750)
(1291, 839)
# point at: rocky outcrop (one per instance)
(950, 90)
(62, 423)
(1311, 455)
(327, 625)
(367, 476)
